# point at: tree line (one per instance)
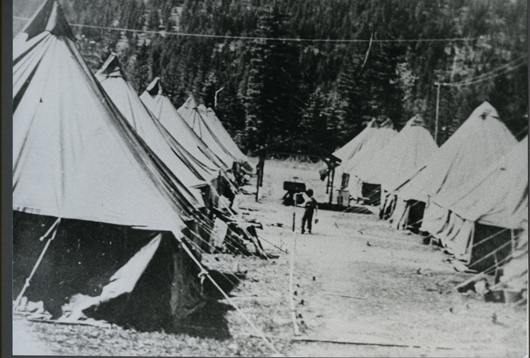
(266, 90)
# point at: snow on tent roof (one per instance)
(194, 116)
(373, 145)
(498, 196)
(405, 153)
(220, 131)
(480, 141)
(165, 112)
(74, 155)
(111, 77)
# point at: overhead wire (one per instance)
(489, 75)
(253, 38)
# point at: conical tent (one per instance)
(195, 117)
(353, 147)
(362, 165)
(480, 141)
(220, 131)
(75, 157)
(407, 151)
(111, 77)
(165, 112)
(497, 197)
(350, 149)
(362, 160)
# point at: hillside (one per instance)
(371, 64)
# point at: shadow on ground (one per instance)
(210, 320)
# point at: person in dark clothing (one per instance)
(310, 207)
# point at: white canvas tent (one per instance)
(497, 197)
(165, 112)
(196, 117)
(405, 152)
(111, 77)
(480, 141)
(78, 163)
(220, 132)
(408, 151)
(359, 164)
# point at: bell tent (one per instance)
(495, 202)
(85, 181)
(480, 141)
(111, 77)
(407, 151)
(359, 165)
(195, 117)
(162, 108)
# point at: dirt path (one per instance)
(396, 278)
(392, 278)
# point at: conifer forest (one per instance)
(273, 69)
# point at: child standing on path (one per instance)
(310, 207)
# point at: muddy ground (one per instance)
(371, 290)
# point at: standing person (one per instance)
(310, 207)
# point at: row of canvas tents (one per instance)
(471, 194)
(114, 197)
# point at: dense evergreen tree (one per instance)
(323, 90)
(272, 102)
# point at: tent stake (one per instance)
(26, 284)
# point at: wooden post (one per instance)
(328, 183)
(259, 179)
(438, 84)
(258, 169)
(332, 174)
(291, 283)
(262, 172)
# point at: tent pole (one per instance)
(438, 84)
(26, 284)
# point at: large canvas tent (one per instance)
(407, 151)
(359, 164)
(162, 108)
(111, 77)
(79, 165)
(349, 150)
(220, 131)
(480, 141)
(195, 117)
(497, 197)
(396, 161)
(165, 112)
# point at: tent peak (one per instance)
(372, 123)
(49, 17)
(485, 110)
(111, 68)
(387, 124)
(416, 121)
(191, 103)
(155, 87)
